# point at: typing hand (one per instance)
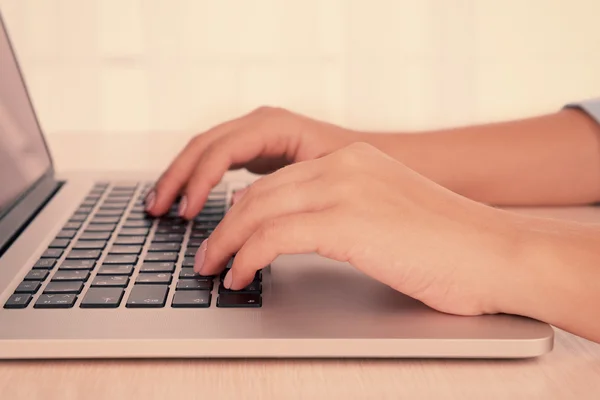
(262, 141)
(360, 206)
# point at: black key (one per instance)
(86, 235)
(168, 237)
(139, 240)
(77, 264)
(170, 229)
(188, 262)
(111, 281)
(45, 263)
(154, 278)
(112, 199)
(18, 301)
(208, 218)
(120, 259)
(195, 242)
(191, 251)
(105, 220)
(138, 223)
(84, 210)
(113, 206)
(134, 232)
(194, 284)
(56, 301)
(116, 270)
(84, 255)
(28, 287)
(72, 225)
(100, 228)
(78, 218)
(89, 245)
(204, 234)
(187, 273)
(109, 213)
(231, 300)
(64, 287)
(148, 296)
(138, 216)
(162, 256)
(138, 209)
(199, 226)
(90, 202)
(164, 247)
(211, 211)
(36, 275)
(75, 275)
(124, 249)
(125, 187)
(191, 298)
(173, 222)
(59, 243)
(52, 253)
(102, 297)
(158, 267)
(66, 234)
(253, 287)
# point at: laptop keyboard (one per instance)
(111, 254)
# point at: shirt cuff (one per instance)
(591, 107)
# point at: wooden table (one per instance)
(570, 371)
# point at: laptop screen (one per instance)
(24, 157)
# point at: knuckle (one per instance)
(268, 230)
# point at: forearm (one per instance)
(555, 277)
(547, 160)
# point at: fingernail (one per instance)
(150, 200)
(228, 280)
(200, 256)
(182, 206)
(237, 196)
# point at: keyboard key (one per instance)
(109, 213)
(102, 297)
(191, 251)
(211, 211)
(77, 264)
(195, 242)
(120, 259)
(100, 228)
(78, 218)
(72, 225)
(191, 298)
(45, 263)
(134, 232)
(18, 301)
(52, 253)
(164, 247)
(87, 235)
(154, 278)
(111, 281)
(75, 275)
(89, 244)
(204, 234)
(187, 273)
(194, 284)
(135, 240)
(139, 223)
(121, 200)
(213, 218)
(170, 229)
(66, 234)
(84, 254)
(148, 296)
(231, 300)
(59, 243)
(115, 270)
(253, 287)
(138, 209)
(105, 220)
(139, 215)
(36, 275)
(28, 287)
(90, 202)
(204, 226)
(168, 237)
(64, 287)
(121, 249)
(84, 210)
(162, 256)
(158, 267)
(113, 206)
(188, 262)
(55, 301)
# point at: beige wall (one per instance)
(183, 65)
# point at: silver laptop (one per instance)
(84, 273)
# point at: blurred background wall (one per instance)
(134, 66)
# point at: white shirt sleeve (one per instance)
(591, 107)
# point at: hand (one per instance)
(262, 141)
(360, 206)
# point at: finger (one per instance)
(290, 234)
(253, 211)
(236, 148)
(171, 182)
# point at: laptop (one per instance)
(85, 273)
